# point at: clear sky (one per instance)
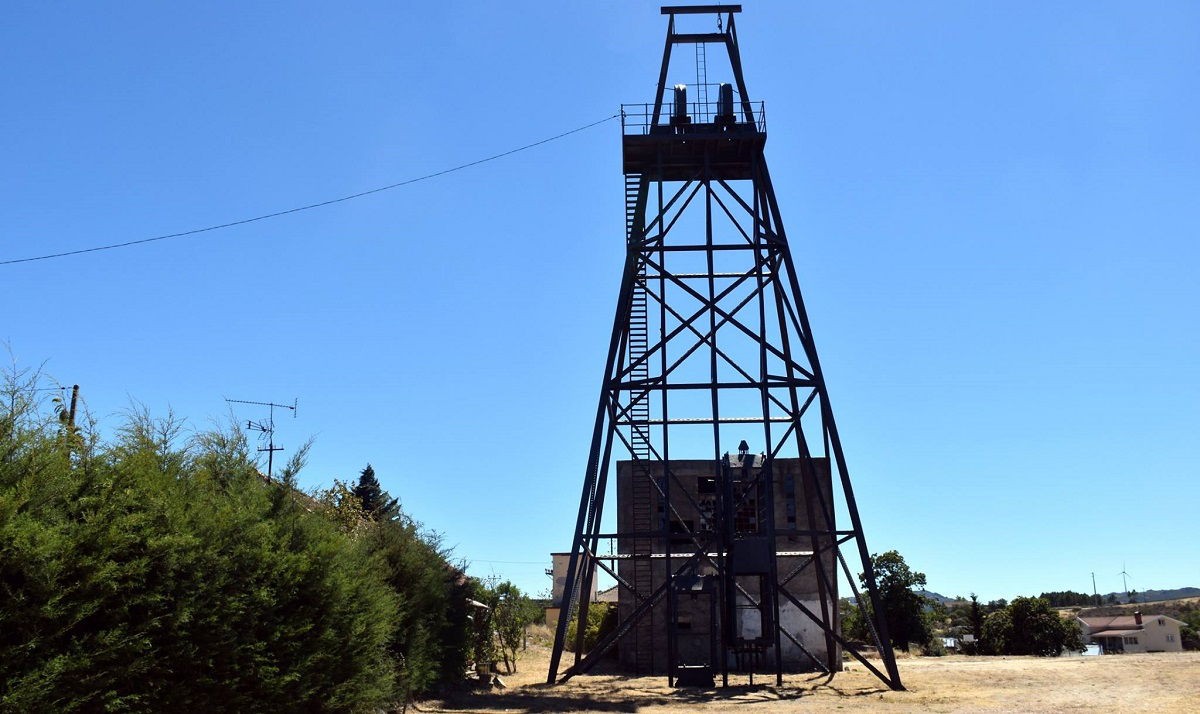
(994, 210)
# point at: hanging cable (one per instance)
(311, 206)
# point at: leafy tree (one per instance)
(376, 503)
(1189, 633)
(512, 613)
(903, 606)
(854, 626)
(957, 616)
(342, 507)
(1029, 626)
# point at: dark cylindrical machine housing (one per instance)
(679, 108)
(725, 103)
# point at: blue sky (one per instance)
(992, 206)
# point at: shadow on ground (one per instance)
(631, 694)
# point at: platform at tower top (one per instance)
(675, 150)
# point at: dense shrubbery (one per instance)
(1029, 626)
(1190, 632)
(162, 574)
(430, 635)
(601, 619)
(1070, 598)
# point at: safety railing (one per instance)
(637, 118)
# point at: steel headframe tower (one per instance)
(711, 345)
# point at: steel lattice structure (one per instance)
(711, 346)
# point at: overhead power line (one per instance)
(311, 206)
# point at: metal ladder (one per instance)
(644, 641)
(702, 113)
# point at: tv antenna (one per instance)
(267, 427)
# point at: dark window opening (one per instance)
(685, 529)
(746, 518)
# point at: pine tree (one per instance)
(376, 503)
(976, 618)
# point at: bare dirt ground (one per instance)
(1124, 683)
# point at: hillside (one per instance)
(1146, 596)
(1175, 608)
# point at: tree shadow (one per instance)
(542, 699)
(630, 693)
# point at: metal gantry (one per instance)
(724, 562)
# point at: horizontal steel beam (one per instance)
(652, 276)
(655, 385)
(708, 420)
(652, 248)
(656, 556)
(698, 9)
(681, 38)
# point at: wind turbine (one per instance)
(1124, 580)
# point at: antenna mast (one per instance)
(267, 428)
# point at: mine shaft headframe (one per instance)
(727, 36)
(709, 156)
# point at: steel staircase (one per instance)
(636, 188)
(637, 343)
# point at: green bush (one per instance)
(602, 619)
(429, 636)
(934, 647)
(143, 577)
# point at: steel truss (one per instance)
(710, 344)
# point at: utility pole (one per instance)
(1095, 594)
(71, 413)
(66, 414)
(267, 428)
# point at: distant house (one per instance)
(558, 572)
(1133, 633)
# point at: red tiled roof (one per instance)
(1120, 622)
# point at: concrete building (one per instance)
(1133, 633)
(558, 574)
(699, 592)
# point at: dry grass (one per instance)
(1128, 683)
